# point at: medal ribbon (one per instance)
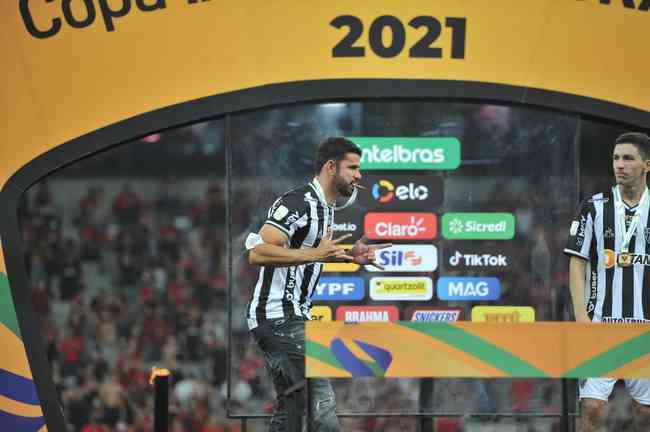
(620, 211)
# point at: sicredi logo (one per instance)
(414, 288)
(468, 288)
(478, 226)
(503, 314)
(321, 313)
(432, 314)
(406, 258)
(399, 153)
(394, 192)
(339, 288)
(367, 313)
(400, 226)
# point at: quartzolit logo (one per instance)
(400, 153)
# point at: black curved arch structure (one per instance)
(237, 101)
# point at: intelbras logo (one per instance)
(399, 153)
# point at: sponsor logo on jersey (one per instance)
(611, 256)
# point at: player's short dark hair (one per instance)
(639, 140)
(333, 148)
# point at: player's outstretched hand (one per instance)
(364, 253)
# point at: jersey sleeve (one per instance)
(581, 231)
(288, 214)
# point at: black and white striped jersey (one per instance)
(612, 293)
(304, 216)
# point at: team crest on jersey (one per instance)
(280, 213)
(609, 233)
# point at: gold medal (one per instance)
(624, 259)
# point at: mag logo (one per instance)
(478, 226)
(468, 288)
(367, 313)
(399, 153)
(397, 192)
(413, 288)
(339, 288)
(434, 314)
(400, 226)
(406, 258)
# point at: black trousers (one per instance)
(283, 344)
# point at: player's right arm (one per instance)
(274, 251)
(577, 267)
(581, 236)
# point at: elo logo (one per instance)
(384, 191)
(400, 226)
(402, 192)
(468, 288)
(339, 288)
(407, 258)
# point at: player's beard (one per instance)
(342, 187)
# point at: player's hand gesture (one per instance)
(364, 253)
(328, 250)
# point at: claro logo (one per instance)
(400, 226)
(46, 21)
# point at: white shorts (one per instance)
(601, 388)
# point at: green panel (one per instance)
(401, 153)
(478, 226)
(612, 359)
(7, 310)
(473, 345)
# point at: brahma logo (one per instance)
(367, 313)
(413, 288)
(406, 258)
(341, 288)
(400, 226)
